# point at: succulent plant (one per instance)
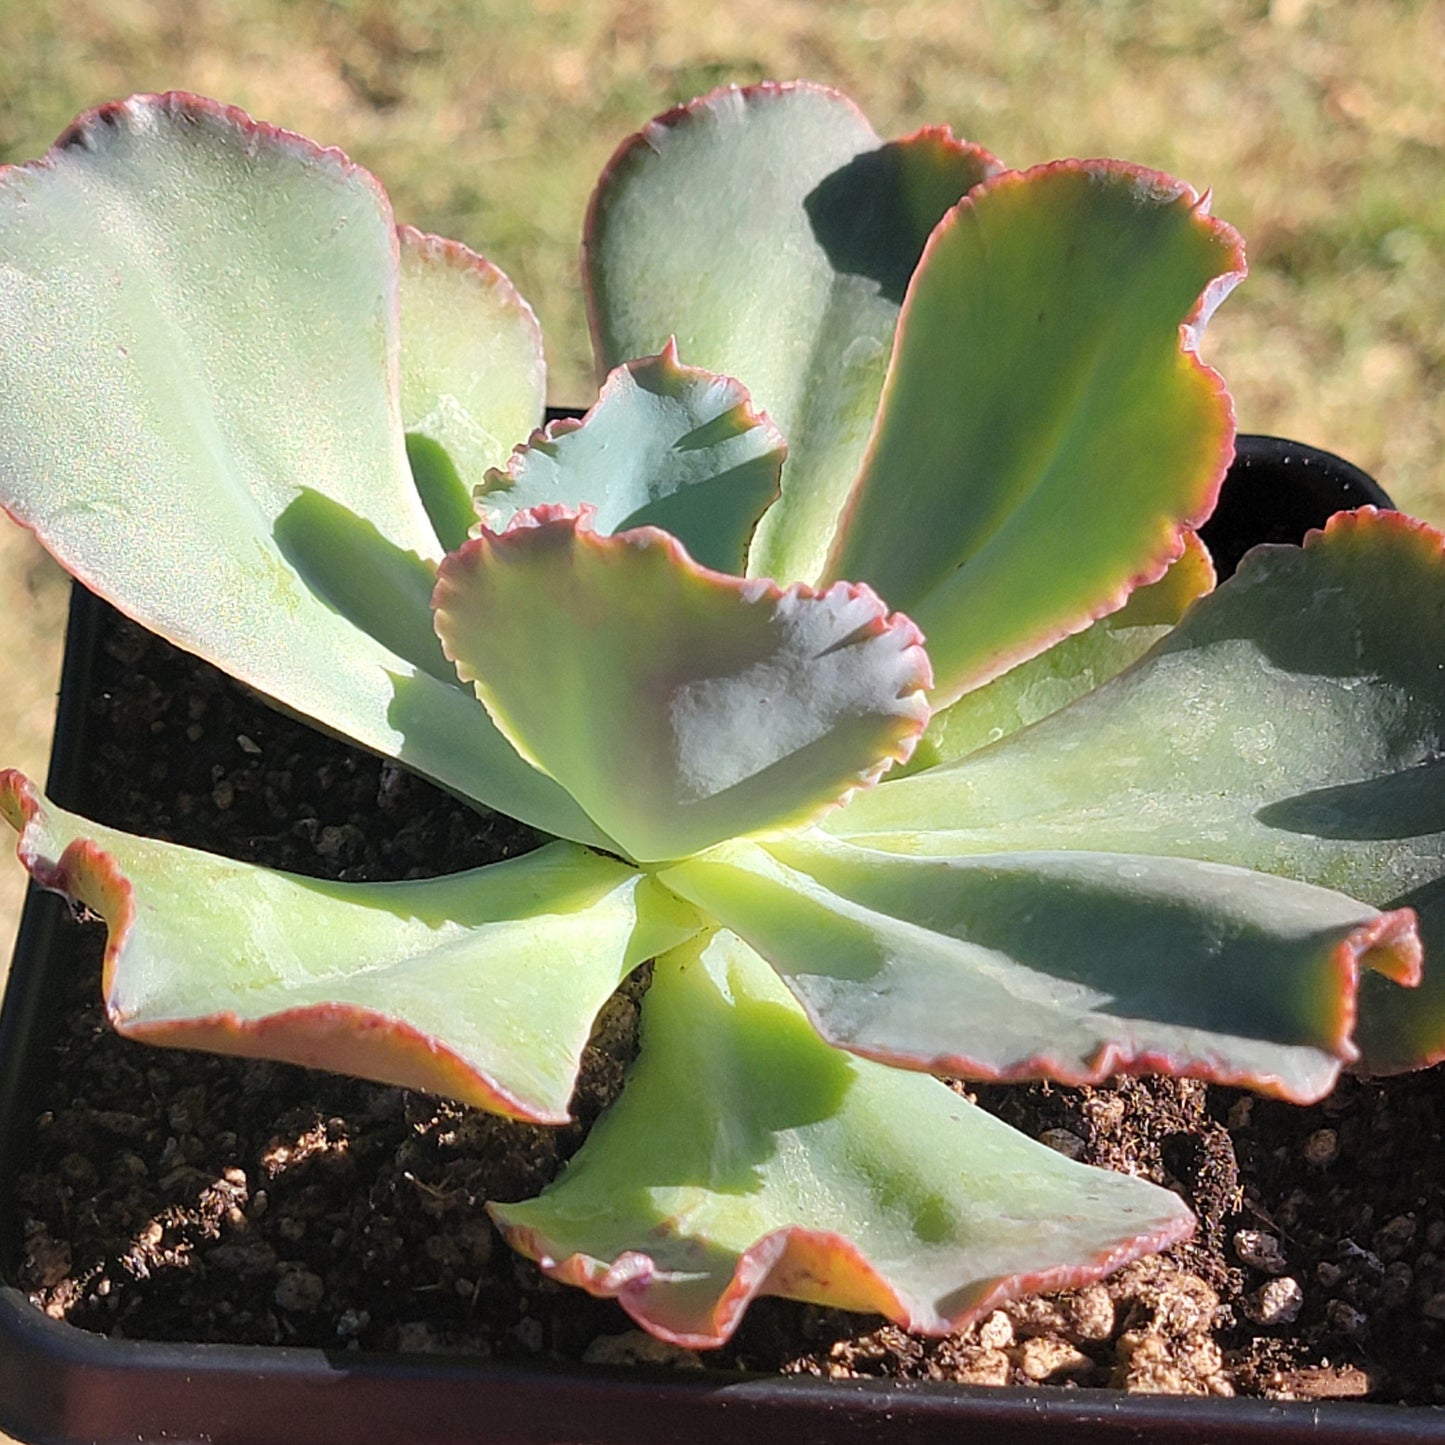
(920, 744)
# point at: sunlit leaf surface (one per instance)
(1046, 431)
(199, 351)
(678, 706)
(482, 985)
(1292, 723)
(473, 377)
(666, 446)
(1069, 966)
(773, 233)
(746, 1157)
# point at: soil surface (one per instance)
(175, 1195)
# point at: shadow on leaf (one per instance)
(1407, 804)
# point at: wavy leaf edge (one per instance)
(911, 719)
(87, 874)
(645, 138)
(796, 1250)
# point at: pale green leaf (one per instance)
(1068, 966)
(1046, 430)
(482, 985)
(745, 1157)
(473, 377)
(201, 419)
(1292, 723)
(1068, 669)
(666, 446)
(678, 706)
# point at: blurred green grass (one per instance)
(1316, 122)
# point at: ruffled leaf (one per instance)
(482, 985)
(1070, 668)
(745, 1157)
(473, 377)
(666, 446)
(1046, 430)
(199, 360)
(1291, 723)
(1068, 966)
(678, 706)
(773, 233)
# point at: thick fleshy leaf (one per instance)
(667, 446)
(1068, 966)
(677, 705)
(1046, 429)
(201, 420)
(772, 232)
(1291, 723)
(1070, 668)
(746, 1157)
(482, 985)
(473, 377)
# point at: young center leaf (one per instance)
(773, 233)
(665, 445)
(482, 985)
(1069, 966)
(199, 357)
(677, 705)
(1045, 411)
(747, 1157)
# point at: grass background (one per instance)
(1317, 123)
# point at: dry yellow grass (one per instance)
(1317, 124)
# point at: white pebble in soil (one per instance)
(1260, 1251)
(1276, 1303)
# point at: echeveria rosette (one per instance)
(736, 743)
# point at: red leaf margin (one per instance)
(195, 109)
(499, 479)
(341, 1038)
(1388, 944)
(442, 251)
(821, 1266)
(1217, 459)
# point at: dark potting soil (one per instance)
(175, 1195)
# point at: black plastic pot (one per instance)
(58, 1383)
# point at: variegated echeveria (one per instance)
(926, 750)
